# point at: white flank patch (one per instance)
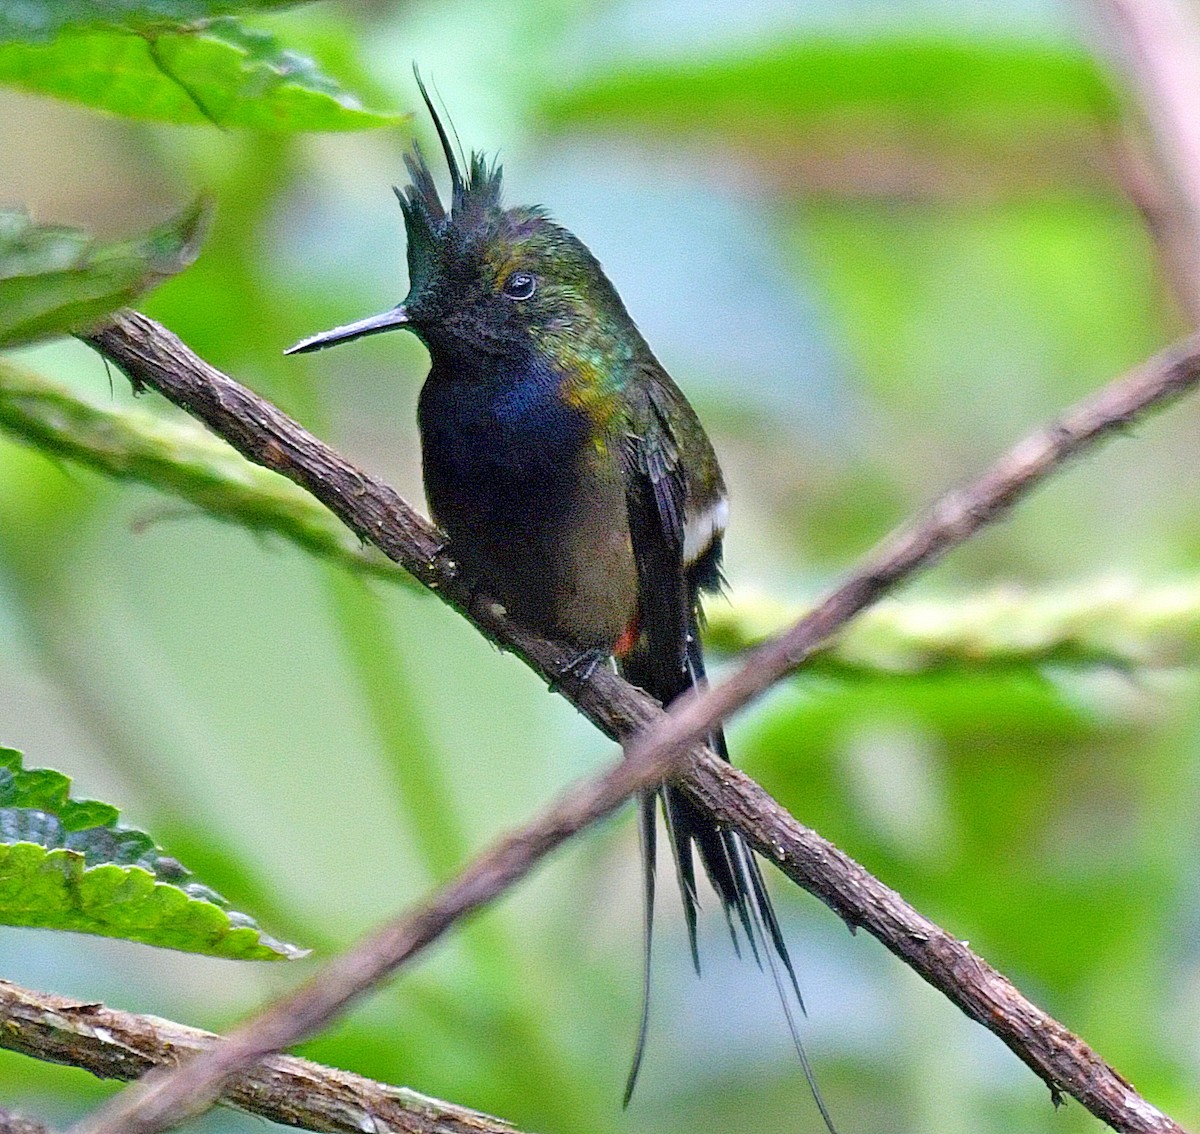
(700, 531)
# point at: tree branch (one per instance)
(296, 1092)
(1159, 42)
(152, 356)
(1061, 1059)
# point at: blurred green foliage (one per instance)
(874, 246)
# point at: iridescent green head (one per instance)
(486, 278)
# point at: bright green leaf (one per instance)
(54, 281)
(218, 72)
(67, 864)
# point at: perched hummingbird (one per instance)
(576, 485)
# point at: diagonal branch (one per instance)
(152, 356)
(1060, 1058)
(295, 1092)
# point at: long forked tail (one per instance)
(731, 868)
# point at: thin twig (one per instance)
(152, 356)
(296, 1092)
(1158, 41)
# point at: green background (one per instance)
(874, 243)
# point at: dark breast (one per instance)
(504, 461)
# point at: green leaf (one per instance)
(68, 864)
(218, 72)
(55, 281)
(39, 20)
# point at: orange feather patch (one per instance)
(627, 640)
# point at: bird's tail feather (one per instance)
(649, 837)
(731, 867)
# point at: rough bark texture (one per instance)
(296, 1092)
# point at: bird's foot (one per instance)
(579, 668)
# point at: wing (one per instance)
(677, 509)
(656, 498)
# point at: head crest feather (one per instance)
(456, 179)
(472, 196)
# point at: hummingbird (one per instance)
(577, 488)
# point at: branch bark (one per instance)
(151, 356)
(1060, 1058)
(296, 1092)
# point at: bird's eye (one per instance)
(520, 285)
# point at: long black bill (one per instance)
(374, 325)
